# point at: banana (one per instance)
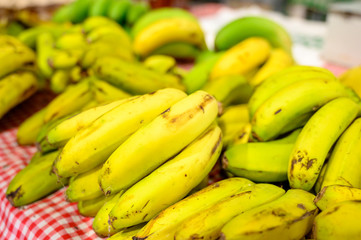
(259, 161)
(76, 74)
(101, 225)
(64, 59)
(59, 80)
(64, 14)
(284, 78)
(345, 160)
(234, 114)
(45, 49)
(14, 56)
(30, 35)
(166, 223)
(80, 12)
(331, 195)
(339, 221)
(316, 139)
(142, 202)
(34, 182)
(104, 92)
(253, 26)
(15, 88)
(84, 186)
(93, 22)
(90, 208)
(60, 134)
(351, 78)
(319, 180)
(71, 100)
(278, 60)
(98, 8)
(167, 31)
(198, 76)
(100, 32)
(117, 10)
(71, 40)
(127, 233)
(293, 105)
(176, 127)
(230, 130)
(156, 15)
(133, 77)
(94, 144)
(136, 11)
(242, 136)
(242, 58)
(160, 63)
(208, 223)
(288, 217)
(228, 89)
(29, 129)
(178, 50)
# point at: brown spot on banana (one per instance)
(219, 141)
(278, 111)
(224, 162)
(14, 195)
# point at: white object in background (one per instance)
(19, 4)
(343, 38)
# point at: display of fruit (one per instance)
(135, 138)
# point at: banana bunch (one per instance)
(124, 12)
(168, 31)
(351, 78)
(18, 78)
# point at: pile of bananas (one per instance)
(134, 141)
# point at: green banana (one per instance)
(345, 160)
(135, 12)
(98, 8)
(284, 78)
(72, 99)
(159, 14)
(34, 182)
(339, 221)
(331, 195)
(84, 186)
(29, 129)
(64, 14)
(166, 223)
(208, 223)
(90, 208)
(316, 139)
(127, 233)
(160, 63)
(93, 145)
(288, 217)
(292, 106)
(59, 80)
(198, 76)
(104, 92)
(60, 134)
(258, 161)
(133, 77)
(118, 9)
(45, 49)
(15, 88)
(251, 26)
(177, 127)
(142, 202)
(30, 35)
(101, 224)
(178, 50)
(16, 56)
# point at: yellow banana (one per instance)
(110, 31)
(142, 201)
(64, 59)
(330, 195)
(345, 160)
(71, 100)
(231, 130)
(29, 129)
(67, 129)
(133, 77)
(293, 105)
(208, 223)
(76, 74)
(242, 58)
(166, 223)
(284, 78)
(84, 186)
(259, 162)
(15, 88)
(59, 80)
(242, 136)
(127, 233)
(277, 61)
(167, 31)
(175, 128)
(96, 21)
(45, 49)
(351, 78)
(90, 208)
(34, 182)
(160, 63)
(339, 221)
(288, 217)
(94, 144)
(101, 224)
(234, 114)
(316, 139)
(71, 40)
(105, 92)
(319, 180)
